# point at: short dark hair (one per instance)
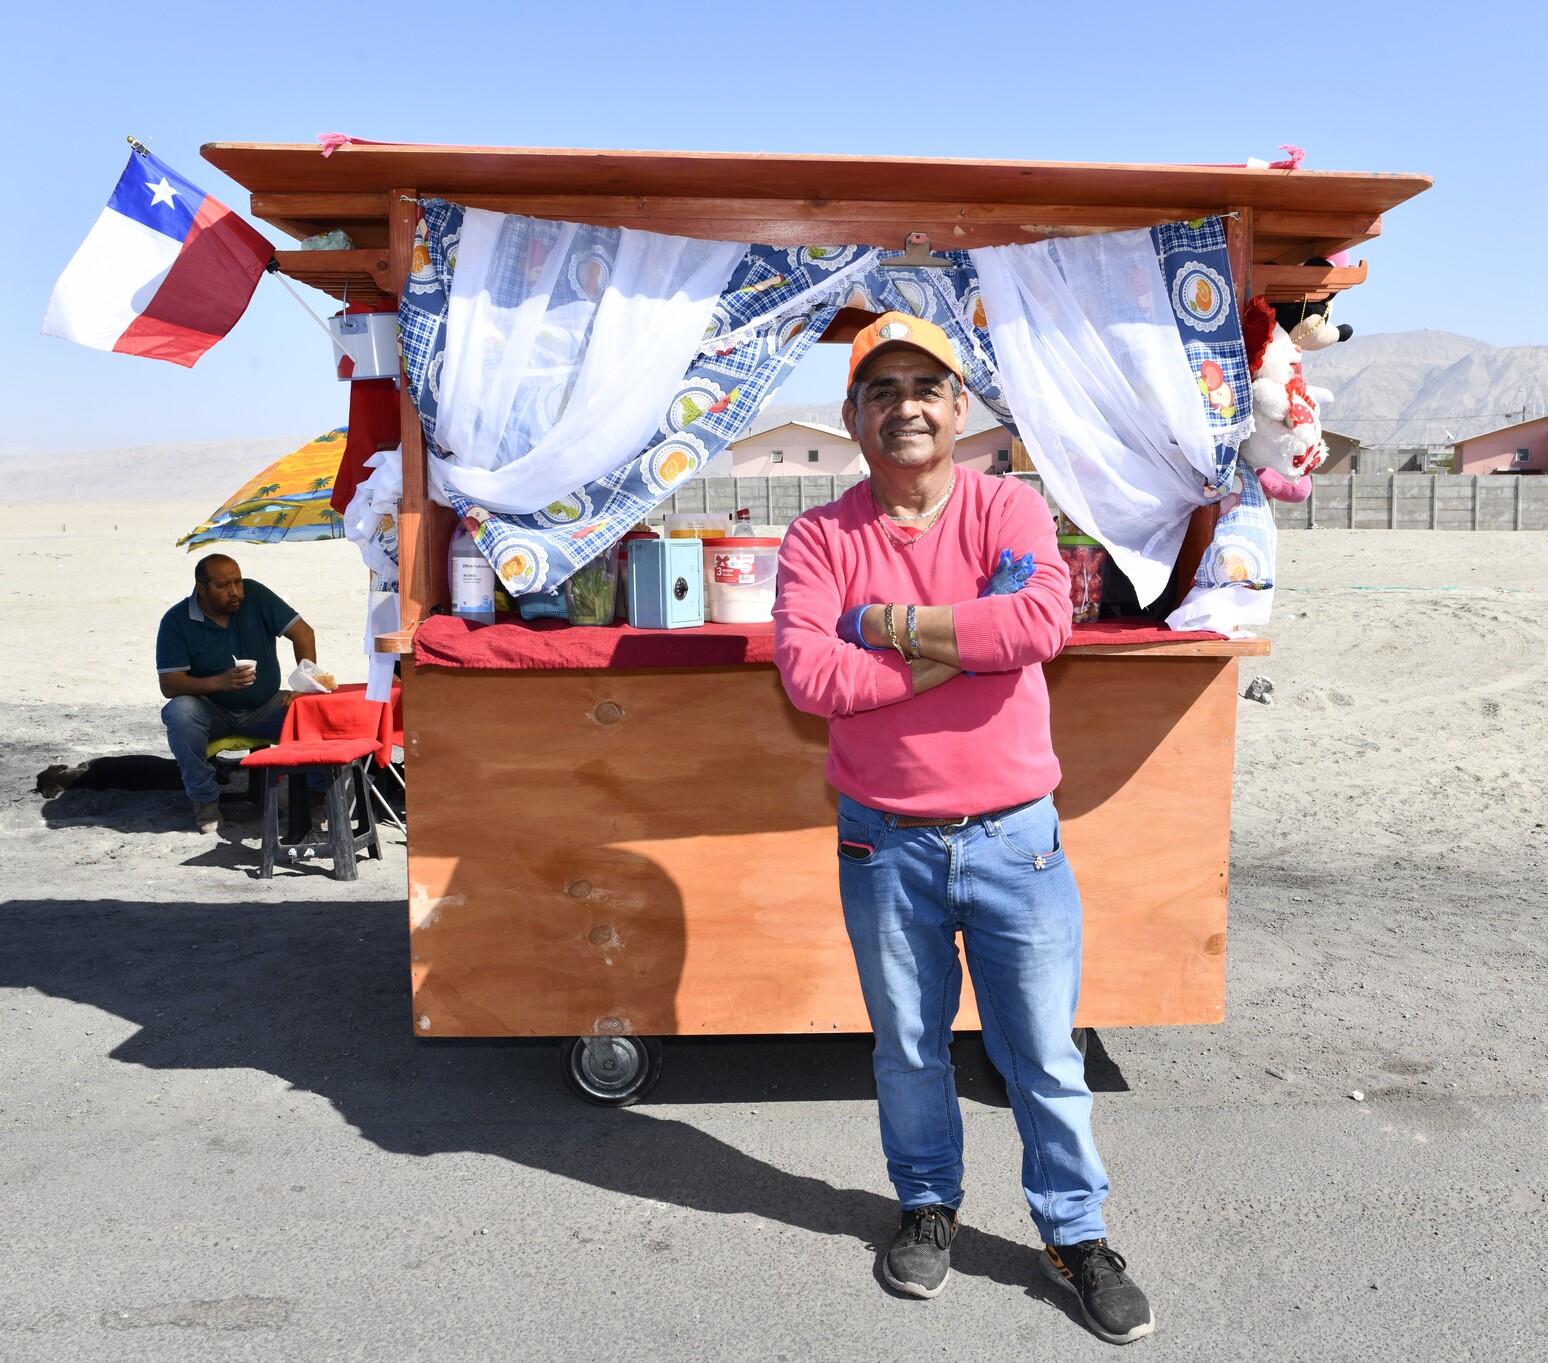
(956, 389)
(202, 567)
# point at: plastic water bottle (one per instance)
(744, 526)
(471, 578)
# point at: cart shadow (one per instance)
(316, 995)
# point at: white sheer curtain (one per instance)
(1095, 374)
(527, 313)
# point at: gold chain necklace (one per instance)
(934, 513)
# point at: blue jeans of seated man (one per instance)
(1005, 885)
(194, 722)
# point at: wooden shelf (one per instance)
(363, 276)
(1292, 283)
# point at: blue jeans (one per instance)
(194, 722)
(1005, 885)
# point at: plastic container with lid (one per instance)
(739, 575)
(1084, 557)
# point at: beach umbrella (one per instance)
(287, 501)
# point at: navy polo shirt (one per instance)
(190, 642)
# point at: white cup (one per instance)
(246, 662)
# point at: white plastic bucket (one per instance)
(739, 575)
(370, 344)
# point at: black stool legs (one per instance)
(342, 840)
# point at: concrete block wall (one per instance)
(1356, 501)
(1418, 501)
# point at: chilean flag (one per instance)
(165, 273)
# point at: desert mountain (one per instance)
(201, 471)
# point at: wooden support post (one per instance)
(413, 583)
(1351, 501)
(1239, 250)
(1434, 502)
(1516, 514)
(1475, 501)
(1392, 501)
(424, 529)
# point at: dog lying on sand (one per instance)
(132, 772)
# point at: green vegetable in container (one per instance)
(592, 590)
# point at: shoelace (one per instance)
(939, 1230)
(1101, 1260)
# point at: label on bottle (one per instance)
(472, 587)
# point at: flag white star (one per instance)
(162, 193)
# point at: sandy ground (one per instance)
(219, 1139)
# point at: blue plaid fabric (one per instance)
(775, 306)
(1197, 271)
(1242, 551)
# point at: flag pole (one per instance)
(137, 145)
(274, 269)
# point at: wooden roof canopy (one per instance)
(1282, 217)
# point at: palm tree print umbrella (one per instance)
(286, 501)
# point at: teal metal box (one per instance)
(666, 583)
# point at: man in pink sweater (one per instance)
(915, 614)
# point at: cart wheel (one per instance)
(1081, 1039)
(611, 1071)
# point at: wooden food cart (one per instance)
(613, 854)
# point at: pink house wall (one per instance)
(754, 456)
(1497, 450)
(979, 450)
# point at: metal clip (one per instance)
(916, 256)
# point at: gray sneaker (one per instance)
(920, 1256)
(1111, 1301)
(207, 816)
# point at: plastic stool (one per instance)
(342, 761)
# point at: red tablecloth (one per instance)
(521, 645)
(344, 713)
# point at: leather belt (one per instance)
(932, 821)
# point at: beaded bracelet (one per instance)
(913, 635)
(892, 632)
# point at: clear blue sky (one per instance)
(1455, 92)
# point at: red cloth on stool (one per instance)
(344, 713)
(330, 752)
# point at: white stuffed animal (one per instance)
(1286, 443)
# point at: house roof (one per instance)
(805, 425)
(1500, 430)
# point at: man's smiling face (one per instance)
(906, 416)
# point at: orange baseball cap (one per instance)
(898, 329)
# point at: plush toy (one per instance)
(1310, 324)
(1286, 442)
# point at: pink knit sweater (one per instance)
(975, 744)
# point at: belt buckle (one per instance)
(959, 823)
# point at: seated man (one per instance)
(210, 693)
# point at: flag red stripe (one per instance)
(204, 293)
